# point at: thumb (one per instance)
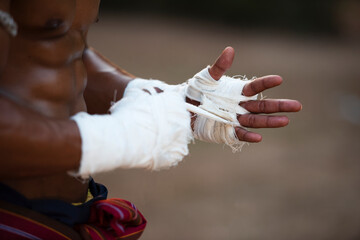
(222, 64)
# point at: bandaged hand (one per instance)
(145, 129)
(219, 104)
(150, 127)
(224, 107)
(251, 112)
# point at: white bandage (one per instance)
(150, 85)
(143, 131)
(220, 98)
(151, 130)
(145, 84)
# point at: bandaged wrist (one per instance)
(143, 131)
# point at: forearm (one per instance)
(33, 145)
(106, 82)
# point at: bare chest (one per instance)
(45, 70)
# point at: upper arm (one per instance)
(106, 81)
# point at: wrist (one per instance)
(142, 131)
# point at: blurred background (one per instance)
(300, 182)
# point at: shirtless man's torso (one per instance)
(48, 74)
(44, 79)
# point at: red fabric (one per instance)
(113, 219)
(15, 226)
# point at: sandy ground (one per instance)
(301, 182)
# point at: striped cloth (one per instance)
(110, 219)
(97, 218)
(113, 219)
(17, 222)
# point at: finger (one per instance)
(261, 121)
(261, 84)
(247, 136)
(272, 106)
(222, 64)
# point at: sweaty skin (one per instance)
(41, 86)
(48, 74)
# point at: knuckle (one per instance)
(253, 88)
(268, 122)
(281, 106)
(251, 120)
(241, 134)
(262, 106)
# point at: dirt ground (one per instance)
(301, 182)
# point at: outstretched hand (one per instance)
(257, 108)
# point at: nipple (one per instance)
(53, 24)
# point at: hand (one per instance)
(253, 119)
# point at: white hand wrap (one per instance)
(153, 130)
(145, 84)
(142, 131)
(220, 98)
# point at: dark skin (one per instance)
(4, 37)
(49, 74)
